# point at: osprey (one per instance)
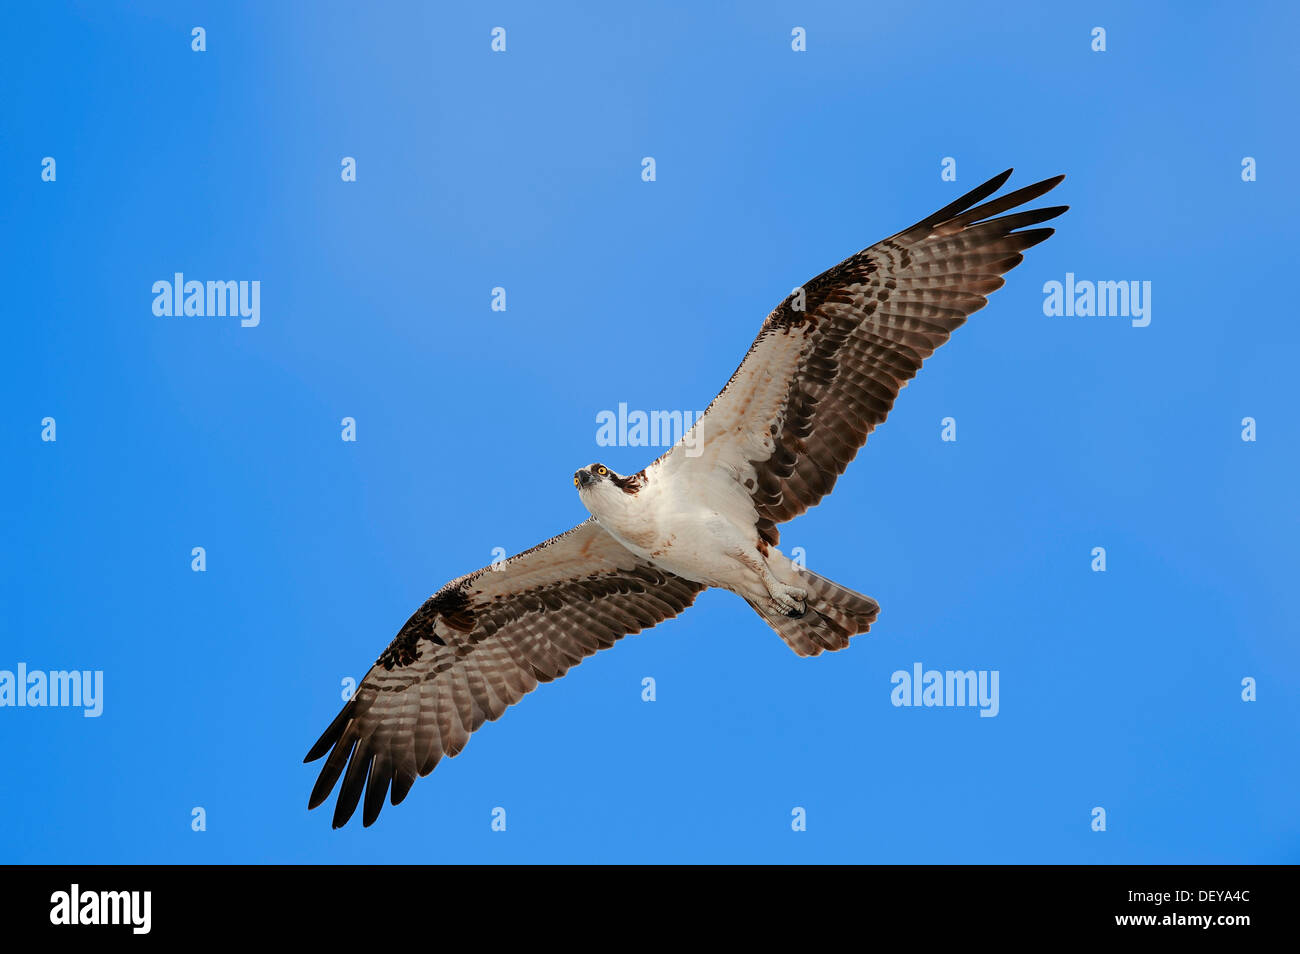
(823, 372)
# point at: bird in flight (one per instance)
(825, 369)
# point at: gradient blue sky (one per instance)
(1118, 689)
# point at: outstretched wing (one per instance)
(476, 647)
(829, 362)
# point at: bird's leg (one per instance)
(784, 600)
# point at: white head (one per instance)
(605, 493)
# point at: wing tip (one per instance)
(342, 815)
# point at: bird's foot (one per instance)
(789, 600)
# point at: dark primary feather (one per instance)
(475, 648)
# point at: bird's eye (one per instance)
(602, 470)
(575, 480)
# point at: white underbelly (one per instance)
(701, 547)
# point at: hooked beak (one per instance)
(582, 478)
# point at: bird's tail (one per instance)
(834, 613)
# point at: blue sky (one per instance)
(1119, 689)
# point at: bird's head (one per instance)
(589, 479)
(601, 489)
